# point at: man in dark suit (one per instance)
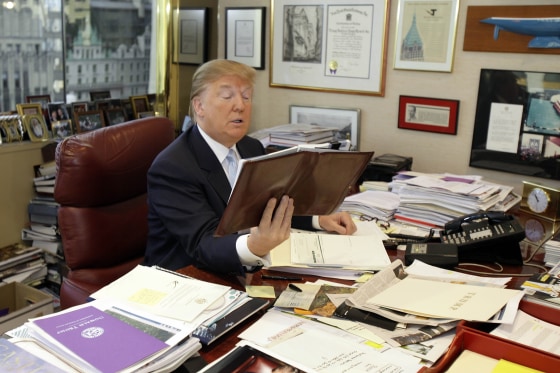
(188, 187)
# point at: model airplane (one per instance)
(545, 30)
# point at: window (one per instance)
(95, 35)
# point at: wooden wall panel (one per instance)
(480, 36)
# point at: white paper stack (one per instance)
(371, 203)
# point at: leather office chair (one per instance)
(101, 188)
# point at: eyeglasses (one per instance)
(382, 223)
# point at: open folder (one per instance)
(317, 179)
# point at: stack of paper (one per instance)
(330, 255)
(295, 134)
(372, 204)
(432, 200)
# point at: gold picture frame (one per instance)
(36, 127)
(29, 109)
(140, 104)
(321, 60)
(10, 125)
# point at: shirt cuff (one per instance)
(315, 223)
(247, 257)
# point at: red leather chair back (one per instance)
(101, 188)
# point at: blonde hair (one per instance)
(213, 70)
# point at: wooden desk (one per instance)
(229, 340)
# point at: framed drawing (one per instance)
(345, 121)
(190, 30)
(29, 109)
(329, 46)
(140, 104)
(425, 37)
(61, 128)
(89, 121)
(428, 114)
(245, 30)
(36, 127)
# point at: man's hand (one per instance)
(339, 222)
(274, 227)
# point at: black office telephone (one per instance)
(490, 236)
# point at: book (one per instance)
(542, 288)
(209, 333)
(17, 359)
(96, 339)
(317, 179)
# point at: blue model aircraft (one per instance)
(545, 30)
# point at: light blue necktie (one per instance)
(231, 166)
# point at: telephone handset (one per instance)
(488, 236)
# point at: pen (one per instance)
(295, 288)
(286, 278)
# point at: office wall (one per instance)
(432, 152)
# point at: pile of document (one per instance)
(295, 134)
(432, 200)
(330, 255)
(410, 323)
(372, 204)
(149, 319)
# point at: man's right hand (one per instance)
(274, 227)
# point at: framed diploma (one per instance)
(245, 29)
(328, 45)
(425, 36)
(190, 30)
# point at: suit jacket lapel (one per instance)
(210, 164)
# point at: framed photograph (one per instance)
(328, 46)
(36, 127)
(10, 127)
(29, 109)
(245, 30)
(41, 99)
(140, 104)
(99, 95)
(89, 121)
(517, 123)
(57, 111)
(345, 121)
(425, 36)
(190, 30)
(428, 114)
(61, 129)
(115, 116)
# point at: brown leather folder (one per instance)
(317, 179)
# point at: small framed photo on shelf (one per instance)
(43, 100)
(190, 35)
(29, 109)
(36, 127)
(10, 127)
(428, 114)
(99, 95)
(140, 104)
(89, 121)
(61, 128)
(345, 121)
(245, 32)
(146, 114)
(115, 116)
(57, 111)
